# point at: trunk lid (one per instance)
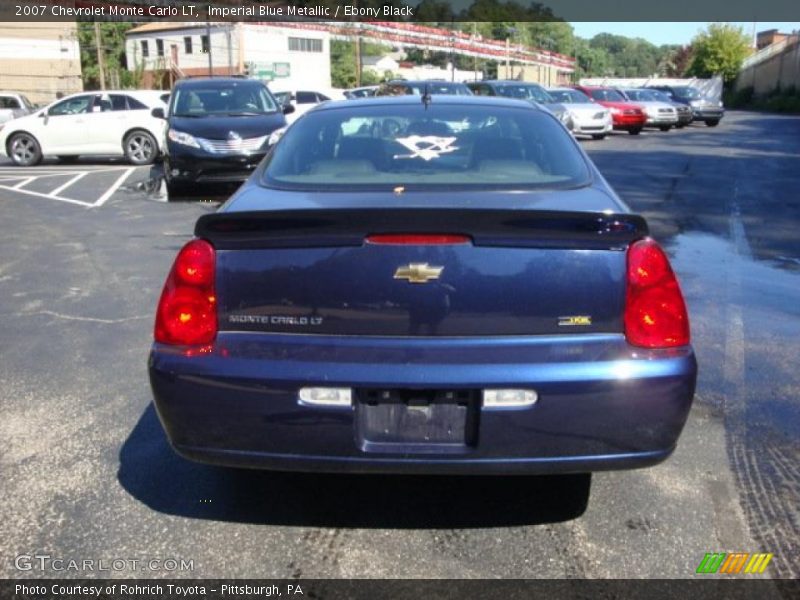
(517, 272)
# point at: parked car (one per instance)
(626, 115)
(703, 109)
(404, 87)
(14, 105)
(113, 123)
(217, 131)
(685, 114)
(302, 100)
(659, 114)
(532, 92)
(366, 91)
(588, 117)
(403, 299)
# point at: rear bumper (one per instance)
(707, 113)
(602, 404)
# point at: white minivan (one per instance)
(90, 123)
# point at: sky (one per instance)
(666, 33)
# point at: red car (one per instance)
(626, 116)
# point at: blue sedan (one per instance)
(423, 284)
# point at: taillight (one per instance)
(655, 313)
(418, 239)
(187, 311)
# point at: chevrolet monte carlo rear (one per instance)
(425, 285)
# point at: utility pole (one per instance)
(101, 67)
(358, 55)
(228, 34)
(508, 58)
(208, 37)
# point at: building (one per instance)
(768, 37)
(168, 51)
(40, 59)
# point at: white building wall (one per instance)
(224, 48)
(269, 44)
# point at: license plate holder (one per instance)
(411, 421)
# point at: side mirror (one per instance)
(288, 108)
(158, 113)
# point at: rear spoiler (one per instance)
(490, 227)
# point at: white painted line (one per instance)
(24, 182)
(48, 196)
(114, 187)
(61, 188)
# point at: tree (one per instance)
(112, 43)
(719, 50)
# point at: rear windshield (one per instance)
(525, 92)
(687, 92)
(607, 95)
(642, 95)
(445, 146)
(222, 99)
(569, 96)
(417, 88)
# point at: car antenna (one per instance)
(426, 96)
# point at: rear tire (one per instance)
(635, 131)
(140, 148)
(665, 127)
(598, 136)
(24, 150)
(712, 122)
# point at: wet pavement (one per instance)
(727, 207)
(87, 472)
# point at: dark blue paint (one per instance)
(489, 321)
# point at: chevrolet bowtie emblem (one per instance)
(418, 272)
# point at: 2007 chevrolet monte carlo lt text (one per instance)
(435, 284)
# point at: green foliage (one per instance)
(719, 50)
(783, 101)
(112, 42)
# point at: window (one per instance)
(205, 44)
(439, 146)
(72, 106)
(187, 44)
(305, 45)
(145, 48)
(120, 102)
(9, 102)
(203, 99)
(160, 47)
(306, 98)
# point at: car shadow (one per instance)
(151, 472)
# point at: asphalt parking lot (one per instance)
(88, 474)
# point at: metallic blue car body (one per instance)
(603, 404)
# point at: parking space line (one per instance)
(24, 182)
(16, 180)
(114, 187)
(61, 188)
(48, 196)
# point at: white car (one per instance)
(303, 100)
(588, 117)
(14, 105)
(659, 114)
(90, 123)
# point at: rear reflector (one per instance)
(187, 311)
(419, 239)
(323, 396)
(655, 313)
(509, 398)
